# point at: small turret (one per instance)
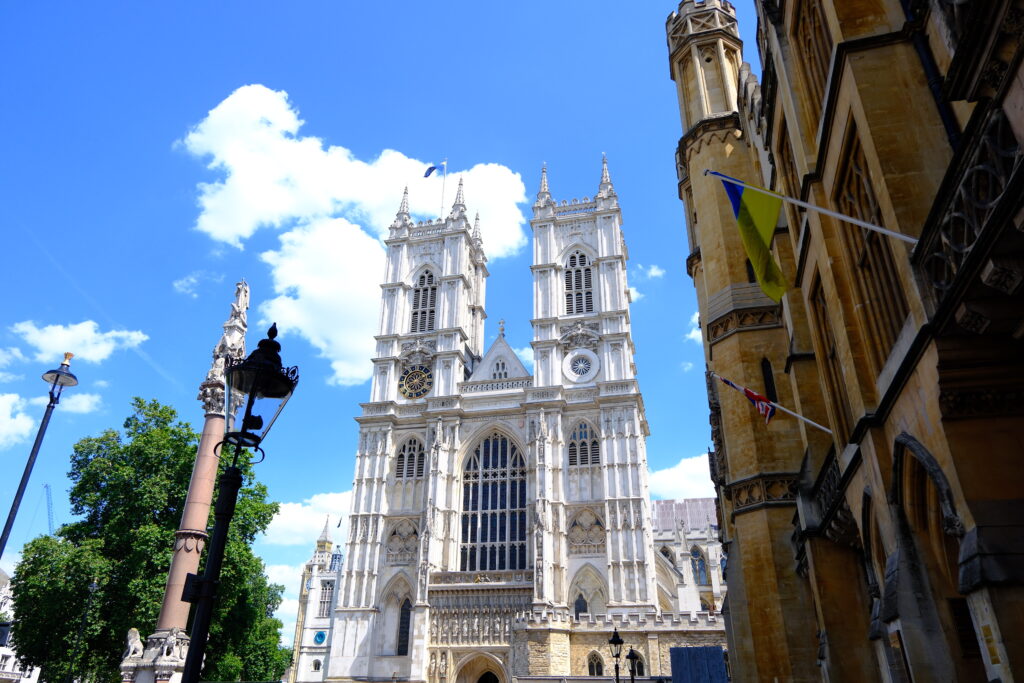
(605, 189)
(459, 207)
(544, 204)
(402, 218)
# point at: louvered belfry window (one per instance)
(579, 284)
(424, 302)
(584, 446)
(494, 507)
(409, 462)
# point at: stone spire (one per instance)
(459, 207)
(476, 228)
(402, 218)
(231, 345)
(605, 189)
(325, 535)
(543, 195)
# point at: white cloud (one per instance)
(190, 283)
(301, 523)
(10, 376)
(73, 403)
(15, 424)
(101, 384)
(687, 366)
(635, 294)
(335, 209)
(694, 333)
(84, 339)
(10, 355)
(275, 177)
(526, 355)
(329, 271)
(689, 478)
(642, 272)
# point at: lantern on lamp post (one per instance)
(615, 645)
(257, 388)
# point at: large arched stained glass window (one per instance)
(494, 507)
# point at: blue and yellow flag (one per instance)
(757, 213)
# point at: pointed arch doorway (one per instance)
(481, 667)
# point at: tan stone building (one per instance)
(891, 548)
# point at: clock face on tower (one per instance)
(416, 381)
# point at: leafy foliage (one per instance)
(129, 488)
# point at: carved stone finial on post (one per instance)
(231, 345)
(501, 327)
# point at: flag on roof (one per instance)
(762, 403)
(757, 213)
(431, 169)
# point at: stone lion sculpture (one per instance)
(133, 644)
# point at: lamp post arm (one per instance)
(202, 590)
(28, 471)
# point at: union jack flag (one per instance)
(764, 406)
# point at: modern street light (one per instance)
(263, 386)
(57, 379)
(615, 645)
(631, 657)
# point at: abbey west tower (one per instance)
(500, 522)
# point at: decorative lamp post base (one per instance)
(161, 659)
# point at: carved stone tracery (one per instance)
(402, 543)
(579, 335)
(586, 534)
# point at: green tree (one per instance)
(128, 488)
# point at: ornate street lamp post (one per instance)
(615, 645)
(261, 386)
(57, 379)
(631, 657)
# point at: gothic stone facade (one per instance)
(501, 522)
(890, 548)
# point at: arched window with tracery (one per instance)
(579, 284)
(317, 665)
(700, 566)
(404, 623)
(595, 665)
(500, 370)
(494, 507)
(409, 462)
(584, 446)
(424, 302)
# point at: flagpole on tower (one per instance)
(444, 178)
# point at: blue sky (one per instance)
(156, 153)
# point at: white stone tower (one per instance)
(583, 347)
(497, 515)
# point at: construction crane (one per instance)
(49, 506)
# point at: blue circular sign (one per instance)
(320, 637)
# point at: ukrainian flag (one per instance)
(757, 213)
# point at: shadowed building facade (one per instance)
(893, 548)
